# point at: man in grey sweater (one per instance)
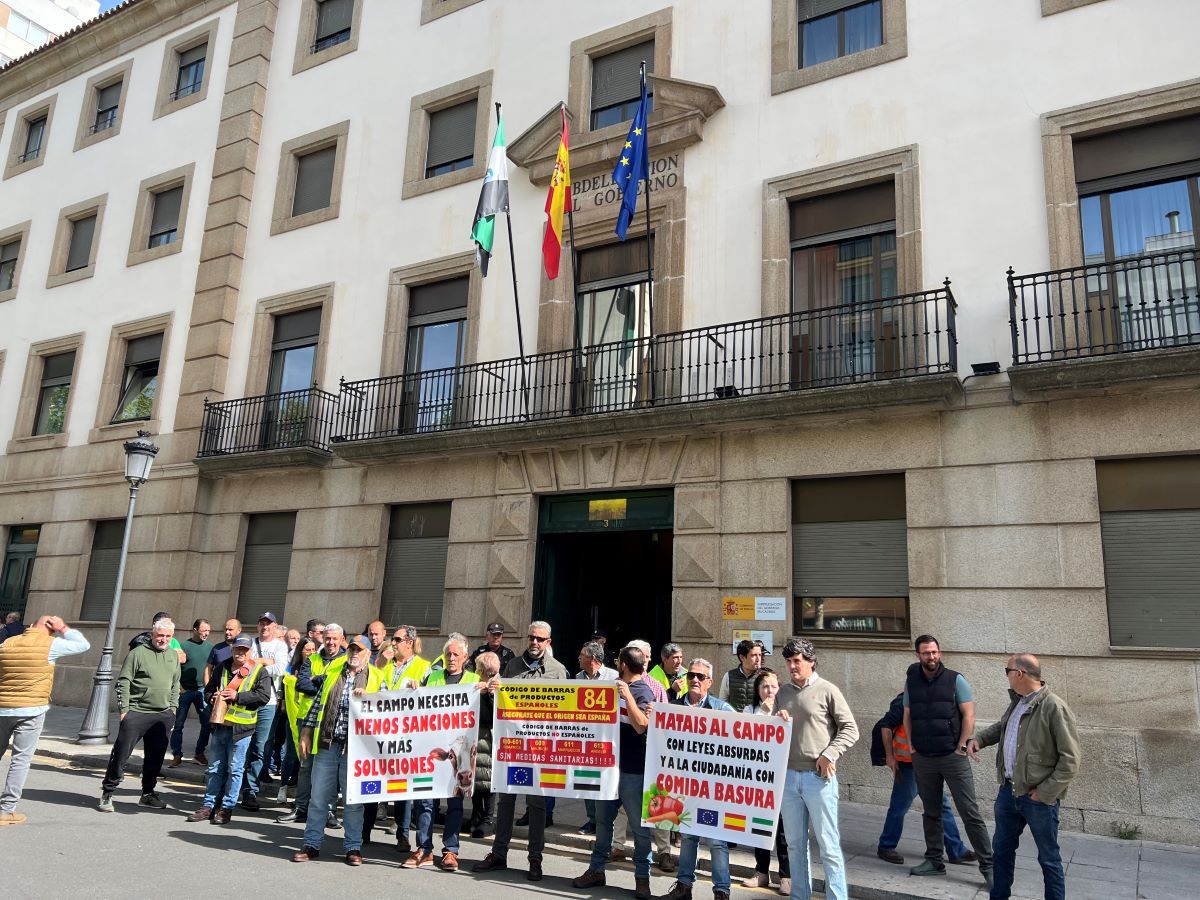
(823, 728)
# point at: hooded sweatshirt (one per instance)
(149, 681)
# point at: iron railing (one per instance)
(1140, 303)
(857, 342)
(287, 420)
(330, 40)
(186, 90)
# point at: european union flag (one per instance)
(706, 817)
(633, 165)
(521, 776)
(372, 787)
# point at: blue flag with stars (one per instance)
(633, 165)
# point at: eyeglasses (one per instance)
(1008, 671)
(400, 640)
(697, 676)
(540, 640)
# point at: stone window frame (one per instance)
(476, 87)
(84, 137)
(114, 372)
(62, 241)
(143, 213)
(16, 146)
(900, 164)
(1061, 127)
(401, 281)
(258, 367)
(656, 26)
(432, 10)
(23, 437)
(290, 152)
(20, 230)
(307, 35)
(786, 74)
(1053, 7)
(203, 34)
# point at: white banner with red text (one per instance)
(714, 774)
(413, 744)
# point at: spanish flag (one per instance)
(557, 201)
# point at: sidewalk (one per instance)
(1098, 868)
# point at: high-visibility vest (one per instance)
(437, 678)
(333, 673)
(234, 713)
(900, 745)
(296, 705)
(416, 669)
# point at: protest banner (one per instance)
(715, 774)
(413, 744)
(556, 738)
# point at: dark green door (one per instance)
(18, 568)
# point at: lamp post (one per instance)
(139, 456)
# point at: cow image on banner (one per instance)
(715, 774)
(413, 744)
(556, 738)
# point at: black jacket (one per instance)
(255, 698)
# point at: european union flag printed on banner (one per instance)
(372, 787)
(633, 165)
(706, 817)
(520, 776)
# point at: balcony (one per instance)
(1090, 325)
(289, 428)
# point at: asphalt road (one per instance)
(68, 849)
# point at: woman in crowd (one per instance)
(766, 687)
(296, 705)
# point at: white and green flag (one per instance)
(493, 199)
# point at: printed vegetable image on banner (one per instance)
(715, 774)
(557, 738)
(413, 743)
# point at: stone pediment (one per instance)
(681, 109)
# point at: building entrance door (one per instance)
(604, 561)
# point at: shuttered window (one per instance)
(265, 565)
(79, 251)
(164, 221)
(102, 570)
(617, 85)
(850, 555)
(833, 28)
(1150, 531)
(451, 139)
(334, 20)
(8, 263)
(107, 99)
(414, 578)
(314, 180)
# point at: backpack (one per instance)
(878, 754)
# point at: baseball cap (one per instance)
(495, 628)
(270, 617)
(600, 632)
(361, 641)
(243, 640)
(763, 647)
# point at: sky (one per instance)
(106, 5)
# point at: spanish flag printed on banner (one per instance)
(557, 202)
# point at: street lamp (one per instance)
(139, 456)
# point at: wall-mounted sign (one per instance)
(608, 509)
(601, 190)
(745, 634)
(765, 609)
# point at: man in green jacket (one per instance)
(1038, 757)
(147, 698)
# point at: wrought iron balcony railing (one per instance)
(284, 421)
(896, 337)
(1139, 303)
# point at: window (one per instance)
(290, 379)
(165, 220)
(103, 105)
(616, 84)
(435, 345)
(414, 578)
(107, 100)
(265, 564)
(79, 250)
(31, 135)
(333, 23)
(833, 28)
(35, 133)
(18, 567)
(1150, 532)
(190, 76)
(328, 30)
(314, 180)
(101, 581)
(54, 393)
(139, 385)
(813, 40)
(73, 257)
(850, 556)
(160, 215)
(451, 139)
(187, 63)
(25, 30)
(9, 253)
(309, 188)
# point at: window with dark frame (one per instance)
(266, 563)
(434, 349)
(830, 29)
(617, 86)
(850, 556)
(53, 393)
(101, 581)
(17, 574)
(79, 246)
(414, 579)
(164, 217)
(290, 379)
(139, 380)
(334, 22)
(8, 263)
(451, 139)
(35, 134)
(107, 100)
(190, 77)
(314, 180)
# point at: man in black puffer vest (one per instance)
(939, 719)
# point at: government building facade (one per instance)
(908, 340)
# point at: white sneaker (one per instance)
(756, 880)
(785, 887)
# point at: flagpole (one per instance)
(576, 378)
(649, 246)
(512, 258)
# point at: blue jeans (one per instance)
(422, 810)
(257, 756)
(689, 848)
(809, 798)
(329, 777)
(1012, 815)
(188, 699)
(904, 791)
(225, 765)
(629, 796)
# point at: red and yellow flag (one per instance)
(557, 202)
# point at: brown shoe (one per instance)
(175, 762)
(617, 853)
(12, 818)
(419, 858)
(890, 856)
(678, 891)
(221, 817)
(641, 889)
(305, 853)
(666, 862)
(589, 879)
(535, 870)
(354, 858)
(200, 759)
(490, 863)
(203, 814)
(448, 862)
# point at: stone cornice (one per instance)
(681, 108)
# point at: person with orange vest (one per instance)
(898, 753)
(26, 679)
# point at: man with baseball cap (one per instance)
(271, 653)
(493, 644)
